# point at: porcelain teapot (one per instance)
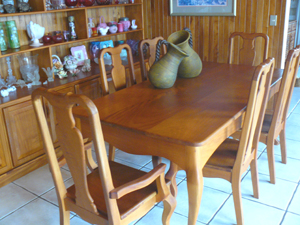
(103, 31)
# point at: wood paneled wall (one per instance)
(211, 33)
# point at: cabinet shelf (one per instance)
(68, 9)
(28, 48)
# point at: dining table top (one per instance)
(199, 105)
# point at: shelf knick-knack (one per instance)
(35, 32)
(12, 33)
(73, 34)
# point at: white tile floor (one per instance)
(31, 200)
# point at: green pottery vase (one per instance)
(190, 66)
(163, 72)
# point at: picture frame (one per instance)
(80, 53)
(203, 7)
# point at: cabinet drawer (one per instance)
(23, 132)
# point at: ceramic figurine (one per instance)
(126, 23)
(90, 26)
(113, 29)
(49, 72)
(70, 62)
(62, 74)
(87, 66)
(73, 34)
(101, 25)
(23, 6)
(133, 25)
(103, 31)
(35, 32)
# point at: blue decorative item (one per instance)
(106, 57)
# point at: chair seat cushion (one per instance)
(224, 157)
(121, 174)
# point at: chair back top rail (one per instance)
(247, 54)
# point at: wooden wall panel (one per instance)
(211, 33)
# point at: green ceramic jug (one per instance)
(190, 66)
(163, 72)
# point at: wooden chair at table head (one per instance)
(247, 54)
(233, 157)
(151, 43)
(111, 194)
(120, 78)
(274, 124)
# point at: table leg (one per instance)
(195, 188)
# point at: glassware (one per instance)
(58, 4)
(3, 45)
(29, 68)
(81, 2)
(12, 34)
(71, 3)
(48, 5)
(89, 2)
(103, 2)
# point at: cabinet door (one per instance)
(91, 88)
(5, 158)
(23, 132)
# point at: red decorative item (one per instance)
(89, 2)
(103, 2)
(71, 3)
(81, 2)
(116, 1)
(47, 38)
(58, 38)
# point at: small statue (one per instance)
(23, 6)
(73, 34)
(62, 74)
(87, 66)
(35, 32)
(9, 9)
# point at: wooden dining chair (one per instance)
(247, 54)
(233, 157)
(112, 193)
(151, 54)
(274, 124)
(120, 79)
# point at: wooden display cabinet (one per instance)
(21, 148)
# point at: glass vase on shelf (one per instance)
(29, 68)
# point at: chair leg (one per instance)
(112, 152)
(169, 207)
(254, 177)
(156, 160)
(271, 160)
(237, 199)
(171, 175)
(283, 146)
(64, 216)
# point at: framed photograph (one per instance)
(202, 7)
(80, 53)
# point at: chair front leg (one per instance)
(237, 199)
(271, 159)
(254, 177)
(283, 146)
(169, 207)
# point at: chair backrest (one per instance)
(72, 145)
(255, 112)
(286, 88)
(247, 54)
(151, 43)
(119, 76)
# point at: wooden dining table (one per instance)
(185, 123)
